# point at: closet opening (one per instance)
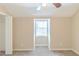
(6, 33)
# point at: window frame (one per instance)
(40, 21)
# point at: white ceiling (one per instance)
(29, 9)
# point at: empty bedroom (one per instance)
(39, 29)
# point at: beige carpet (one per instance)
(42, 51)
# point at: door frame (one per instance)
(8, 33)
(48, 19)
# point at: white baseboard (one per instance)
(60, 49)
(34, 49)
(22, 49)
(75, 51)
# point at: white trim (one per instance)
(22, 49)
(8, 34)
(75, 51)
(60, 49)
(34, 33)
(49, 33)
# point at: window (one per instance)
(41, 27)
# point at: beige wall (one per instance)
(2, 32)
(22, 33)
(61, 33)
(3, 9)
(75, 32)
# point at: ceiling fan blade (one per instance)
(57, 5)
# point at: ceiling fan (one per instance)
(57, 5)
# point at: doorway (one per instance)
(42, 32)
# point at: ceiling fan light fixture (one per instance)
(57, 5)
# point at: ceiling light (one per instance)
(38, 8)
(44, 4)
